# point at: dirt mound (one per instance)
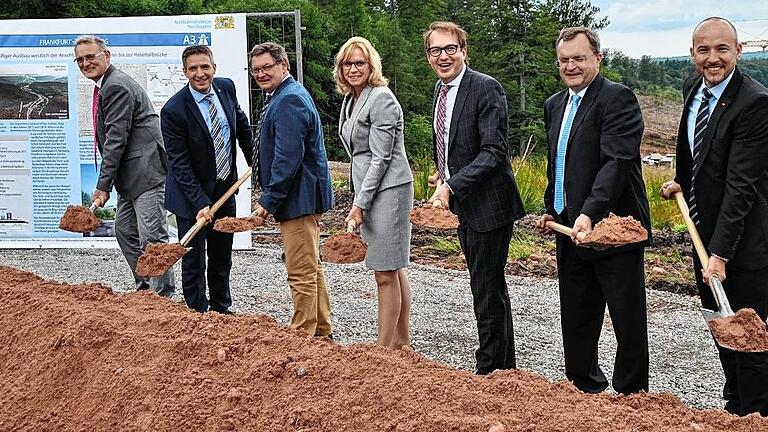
(232, 224)
(77, 357)
(158, 258)
(617, 230)
(745, 331)
(79, 218)
(434, 217)
(344, 248)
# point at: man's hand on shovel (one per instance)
(205, 213)
(442, 193)
(260, 212)
(99, 198)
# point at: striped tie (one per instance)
(440, 135)
(702, 117)
(221, 148)
(562, 145)
(257, 137)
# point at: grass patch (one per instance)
(444, 246)
(522, 245)
(531, 179)
(664, 213)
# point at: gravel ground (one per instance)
(683, 358)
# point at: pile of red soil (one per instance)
(79, 218)
(616, 230)
(345, 248)
(233, 225)
(434, 217)
(744, 331)
(158, 258)
(77, 357)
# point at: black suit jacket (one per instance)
(603, 171)
(191, 155)
(732, 179)
(485, 194)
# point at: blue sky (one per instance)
(663, 28)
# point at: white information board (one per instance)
(47, 157)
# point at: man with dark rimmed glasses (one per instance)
(476, 181)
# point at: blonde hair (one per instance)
(375, 79)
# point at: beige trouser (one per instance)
(311, 307)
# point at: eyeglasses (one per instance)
(449, 49)
(578, 60)
(359, 65)
(89, 57)
(265, 68)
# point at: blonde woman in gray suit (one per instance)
(371, 129)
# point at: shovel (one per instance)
(158, 258)
(724, 307)
(562, 229)
(345, 248)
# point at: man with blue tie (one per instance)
(594, 129)
(200, 124)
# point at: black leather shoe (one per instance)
(224, 312)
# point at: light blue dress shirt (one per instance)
(202, 105)
(693, 108)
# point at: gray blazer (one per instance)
(373, 139)
(129, 138)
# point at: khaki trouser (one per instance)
(311, 307)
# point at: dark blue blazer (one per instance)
(293, 166)
(191, 159)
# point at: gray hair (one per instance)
(91, 39)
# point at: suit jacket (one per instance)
(373, 139)
(133, 158)
(731, 181)
(485, 194)
(191, 153)
(293, 167)
(603, 170)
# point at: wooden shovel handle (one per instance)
(562, 229)
(714, 282)
(701, 251)
(202, 222)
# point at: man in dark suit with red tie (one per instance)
(594, 129)
(200, 125)
(722, 170)
(472, 158)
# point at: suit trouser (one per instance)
(586, 287)
(140, 221)
(219, 252)
(311, 306)
(486, 254)
(746, 374)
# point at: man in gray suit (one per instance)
(127, 134)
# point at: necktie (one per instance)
(440, 136)
(257, 135)
(562, 145)
(221, 149)
(95, 111)
(702, 118)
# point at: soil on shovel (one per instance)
(78, 357)
(616, 230)
(79, 218)
(345, 248)
(232, 225)
(744, 331)
(158, 258)
(434, 217)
